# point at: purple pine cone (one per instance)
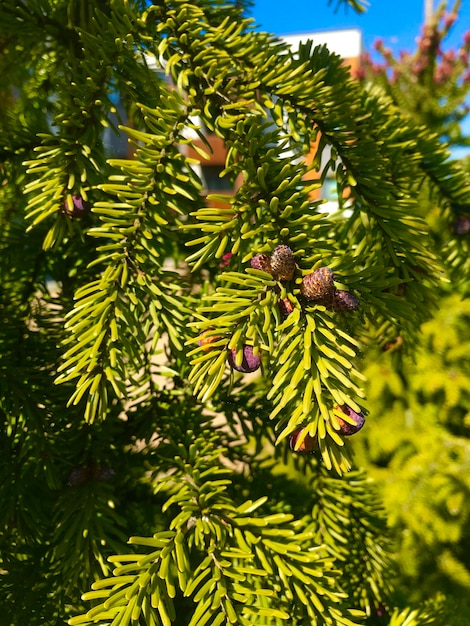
(462, 225)
(250, 362)
(80, 207)
(78, 476)
(346, 428)
(343, 301)
(261, 262)
(308, 445)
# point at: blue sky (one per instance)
(397, 22)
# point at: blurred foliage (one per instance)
(418, 446)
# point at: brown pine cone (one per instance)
(261, 262)
(283, 263)
(285, 307)
(319, 285)
(342, 301)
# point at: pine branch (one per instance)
(227, 561)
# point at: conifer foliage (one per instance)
(179, 368)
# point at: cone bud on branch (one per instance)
(346, 427)
(250, 361)
(319, 285)
(307, 446)
(283, 263)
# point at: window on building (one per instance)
(212, 180)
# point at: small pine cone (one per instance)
(78, 208)
(342, 301)
(250, 362)
(78, 476)
(103, 473)
(205, 339)
(285, 307)
(308, 445)
(261, 262)
(462, 225)
(346, 428)
(319, 285)
(283, 263)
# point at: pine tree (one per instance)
(177, 409)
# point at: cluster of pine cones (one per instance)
(319, 287)
(315, 287)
